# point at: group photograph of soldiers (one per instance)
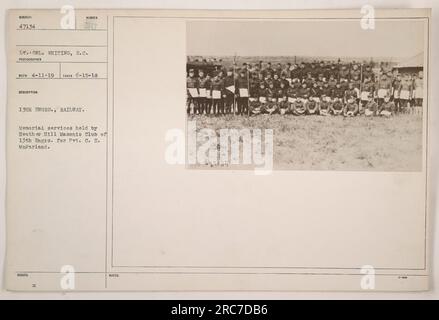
(345, 88)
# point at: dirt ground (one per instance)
(334, 143)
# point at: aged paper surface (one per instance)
(98, 200)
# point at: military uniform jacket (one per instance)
(332, 83)
(303, 93)
(354, 73)
(338, 93)
(356, 83)
(396, 84)
(385, 83)
(262, 93)
(217, 84)
(343, 74)
(368, 73)
(242, 82)
(368, 87)
(406, 85)
(327, 92)
(351, 94)
(271, 93)
(281, 92)
(292, 92)
(315, 92)
(191, 82)
(203, 82)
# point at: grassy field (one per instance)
(335, 143)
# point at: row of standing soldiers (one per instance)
(302, 89)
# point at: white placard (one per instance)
(193, 92)
(216, 94)
(405, 95)
(202, 92)
(382, 93)
(365, 95)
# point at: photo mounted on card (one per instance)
(197, 150)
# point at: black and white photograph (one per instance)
(335, 94)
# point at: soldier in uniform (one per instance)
(396, 90)
(242, 84)
(299, 107)
(321, 70)
(257, 108)
(337, 106)
(344, 73)
(217, 86)
(278, 69)
(387, 108)
(332, 82)
(268, 70)
(312, 105)
(405, 93)
(326, 90)
(208, 105)
(344, 83)
(221, 74)
(384, 88)
(276, 81)
(355, 72)
(333, 71)
(294, 72)
(314, 71)
(254, 84)
(320, 80)
(253, 100)
(271, 105)
(203, 86)
(356, 85)
(192, 91)
(301, 72)
(261, 79)
(283, 78)
(419, 89)
(367, 92)
(325, 100)
(370, 107)
(282, 94)
(351, 107)
(268, 78)
(287, 69)
(309, 80)
(292, 92)
(368, 73)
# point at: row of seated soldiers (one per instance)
(268, 91)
